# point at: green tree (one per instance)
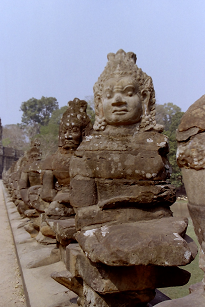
(165, 113)
(37, 112)
(176, 177)
(48, 135)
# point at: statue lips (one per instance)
(120, 111)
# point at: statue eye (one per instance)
(130, 93)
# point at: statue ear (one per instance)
(145, 102)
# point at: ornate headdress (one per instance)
(75, 114)
(124, 64)
(34, 149)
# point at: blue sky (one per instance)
(59, 48)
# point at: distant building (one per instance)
(8, 155)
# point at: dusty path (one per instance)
(11, 290)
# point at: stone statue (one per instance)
(129, 242)
(190, 136)
(74, 126)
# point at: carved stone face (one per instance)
(71, 136)
(121, 102)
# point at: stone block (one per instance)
(113, 279)
(93, 215)
(195, 185)
(72, 251)
(87, 195)
(157, 242)
(64, 229)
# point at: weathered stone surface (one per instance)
(62, 197)
(47, 231)
(72, 251)
(157, 242)
(122, 299)
(40, 238)
(134, 157)
(64, 230)
(66, 279)
(120, 193)
(191, 158)
(116, 193)
(191, 154)
(195, 185)
(22, 207)
(111, 279)
(194, 116)
(31, 213)
(185, 135)
(93, 215)
(29, 227)
(59, 211)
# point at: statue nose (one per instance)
(118, 100)
(68, 136)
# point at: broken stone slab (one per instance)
(31, 213)
(63, 197)
(40, 238)
(190, 154)
(195, 185)
(194, 116)
(66, 279)
(158, 242)
(185, 135)
(124, 193)
(120, 193)
(64, 230)
(59, 211)
(93, 215)
(30, 228)
(40, 205)
(122, 299)
(111, 279)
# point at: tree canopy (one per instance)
(38, 111)
(165, 113)
(48, 135)
(14, 136)
(170, 116)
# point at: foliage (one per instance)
(170, 116)
(48, 135)
(176, 177)
(37, 112)
(165, 113)
(14, 136)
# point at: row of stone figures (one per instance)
(104, 196)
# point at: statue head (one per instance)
(34, 153)
(124, 94)
(74, 125)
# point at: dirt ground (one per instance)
(11, 289)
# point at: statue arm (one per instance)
(48, 191)
(83, 192)
(23, 187)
